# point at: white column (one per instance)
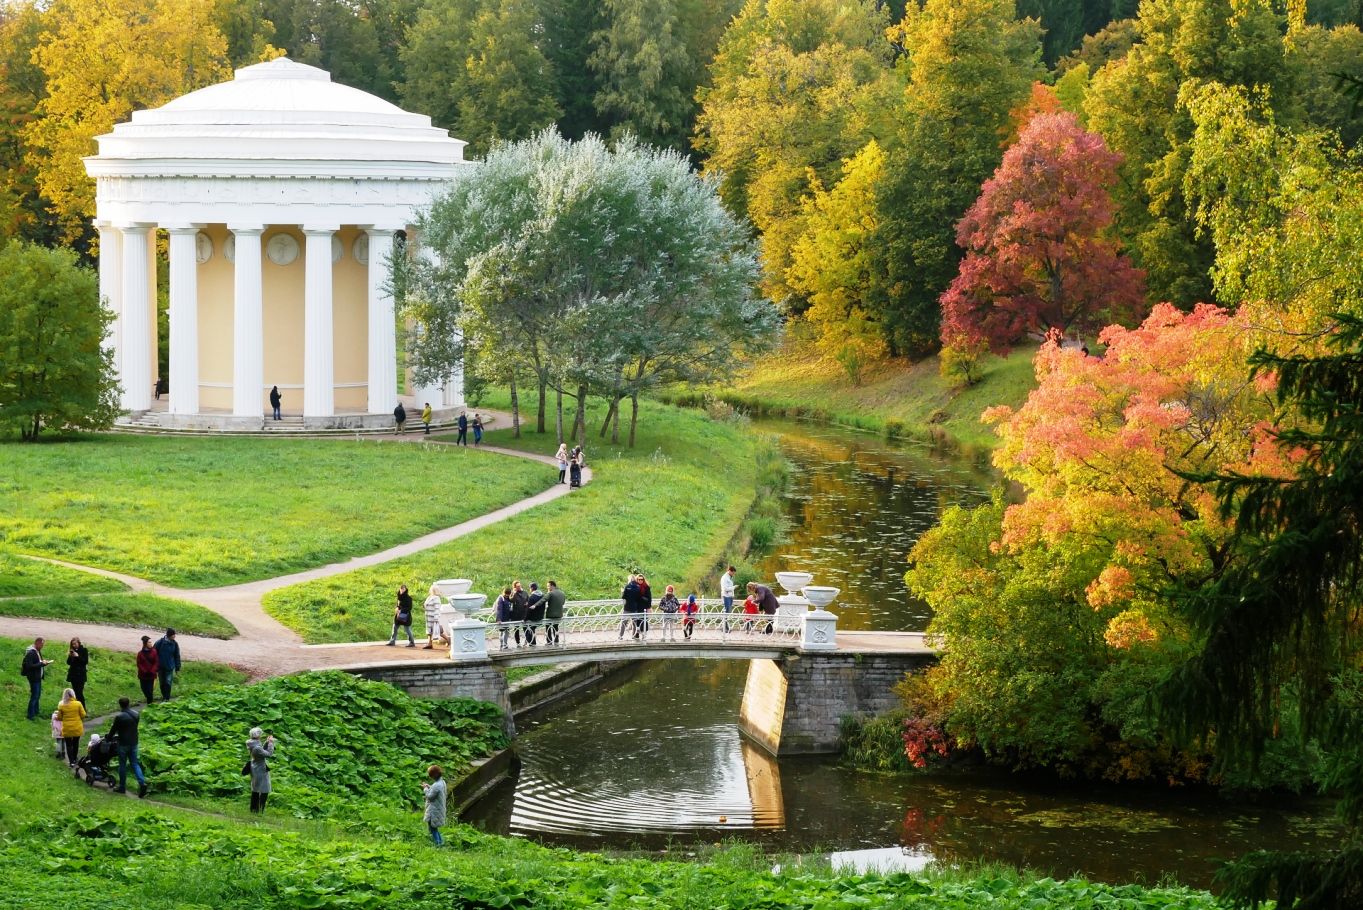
(248, 330)
(383, 357)
(319, 375)
(184, 319)
(137, 323)
(111, 289)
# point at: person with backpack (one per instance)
(32, 669)
(402, 618)
(148, 668)
(167, 662)
(123, 731)
(670, 607)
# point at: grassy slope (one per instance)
(666, 507)
(916, 396)
(20, 577)
(199, 512)
(145, 611)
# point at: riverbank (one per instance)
(894, 398)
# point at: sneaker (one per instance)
(428, 647)
(411, 644)
(141, 791)
(391, 643)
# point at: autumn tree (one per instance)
(1039, 252)
(101, 62)
(23, 211)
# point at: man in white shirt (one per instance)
(726, 592)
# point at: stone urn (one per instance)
(467, 604)
(793, 582)
(468, 636)
(820, 627)
(793, 605)
(446, 587)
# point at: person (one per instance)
(575, 463)
(426, 417)
(77, 668)
(124, 734)
(432, 610)
(726, 591)
(95, 763)
(766, 601)
(645, 604)
(148, 668)
(502, 609)
(750, 609)
(553, 612)
(561, 456)
(156, 388)
(259, 752)
(167, 662)
(463, 438)
(670, 607)
(72, 715)
(477, 429)
(520, 606)
(275, 399)
(58, 741)
(534, 614)
(33, 668)
(689, 611)
(402, 618)
(629, 599)
(399, 417)
(435, 803)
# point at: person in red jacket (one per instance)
(750, 609)
(148, 666)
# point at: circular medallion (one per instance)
(360, 249)
(337, 249)
(203, 247)
(282, 249)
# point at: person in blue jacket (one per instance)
(167, 662)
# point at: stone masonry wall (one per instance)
(480, 680)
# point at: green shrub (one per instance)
(877, 743)
(762, 532)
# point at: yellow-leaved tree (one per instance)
(103, 60)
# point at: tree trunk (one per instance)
(610, 412)
(580, 420)
(633, 417)
(558, 414)
(539, 417)
(515, 409)
(615, 424)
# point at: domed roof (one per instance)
(279, 111)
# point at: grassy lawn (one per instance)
(200, 512)
(146, 611)
(900, 399)
(666, 507)
(20, 577)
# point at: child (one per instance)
(689, 611)
(669, 606)
(58, 743)
(750, 609)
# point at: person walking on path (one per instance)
(502, 610)
(561, 456)
(77, 668)
(726, 592)
(124, 734)
(259, 752)
(553, 612)
(520, 606)
(402, 618)
(148, 668)
(670, 607)
(426, 417)
(463, 438)
(534, 614)
(431, 608)
(399, 418)
(766, 601)
(689, 610)
(167, 662)
(275, 399)
(477, 429)
(33, 668)
(435, 803)
(72, 715)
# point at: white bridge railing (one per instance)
(601, 622)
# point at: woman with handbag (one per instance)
(402, 618)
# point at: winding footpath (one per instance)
(263, 646)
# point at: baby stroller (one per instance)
(94, 764)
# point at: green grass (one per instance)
(199, 512)
(895, 398)
(667, 508)
(125, 609)
(20, 577)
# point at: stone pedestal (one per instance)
(819, 632)
(468, 637)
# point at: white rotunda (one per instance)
(282, 193)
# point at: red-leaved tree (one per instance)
(1039, 253)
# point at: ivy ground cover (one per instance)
(200, 512)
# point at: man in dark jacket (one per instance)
(633, 600)
(32, 668)
(400, 417)
(534, 613)
(463, 438)
(766, 601)
(167, 662)
(520, 606)
(553, 612)
(124, 732)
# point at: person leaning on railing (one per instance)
(553, 612)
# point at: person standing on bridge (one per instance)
(766, 601)
(689, 610)
(553, 612)
(645, 604)
(726, 592)
(534, 614)
(629, 599)
(502, 610)
(402, 618)
(520, 606)
(670, 607)
(431, 607)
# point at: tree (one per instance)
(648, 77)
(968, 66)
(23, 211)
(54, 371)
(357, 41)
(101, 62)
(1039, 254)
(567, 44)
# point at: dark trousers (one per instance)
(428, 427)
(148, 687)
(551, 632)
(167, 678)
(463, 438)
(530, 633)
(258, 801)
(72, 748)
(562, 474)
(128, 755)
(79, 689)
(35, 693)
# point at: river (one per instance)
(657, 761)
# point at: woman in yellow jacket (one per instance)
(71, 715)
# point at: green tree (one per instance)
(23, 211)
(54, 371)
(968, 65)
(567, 43)
(357, 41)
(648, 77)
